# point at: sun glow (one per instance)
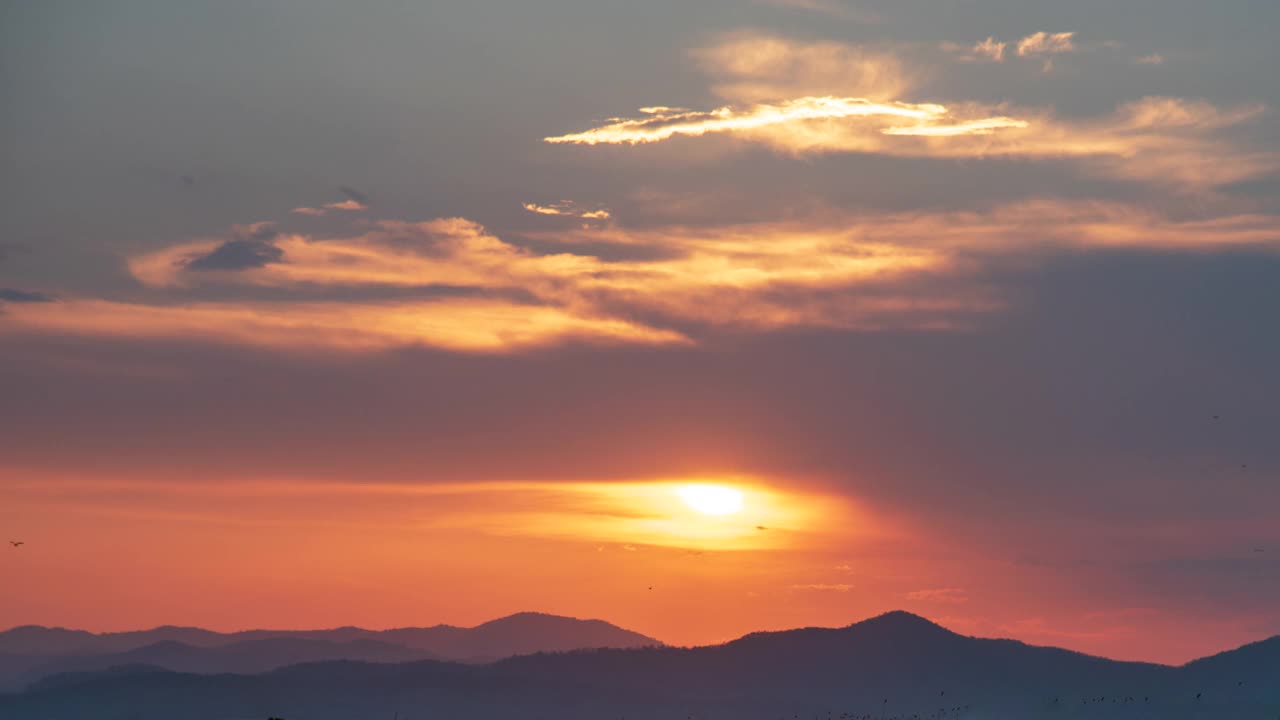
(711, 499)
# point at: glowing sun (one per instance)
(711, 499)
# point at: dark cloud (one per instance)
(354, 194)
(252, 247)
(23, 296)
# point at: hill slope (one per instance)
(897, 665)
(30, 653)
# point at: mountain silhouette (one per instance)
(249, 656)
(893, 666)
(30, 653)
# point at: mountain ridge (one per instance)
(895, 665)
(29, 653)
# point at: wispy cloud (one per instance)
(754, 67)
(1040, 45)
(350, 205)
(23, 296)
(568, 208)
(1160, 140)
(989, 50)
(1043, 43)
(923, 119)
(836, 270)
(1152, 59)
(631, 514)
(824, 587)
(465, 325)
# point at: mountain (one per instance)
(249, 656)
(893, 666)
(519, 634)
(31, 652)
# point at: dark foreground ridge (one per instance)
(896, 666)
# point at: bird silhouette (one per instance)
(16, 543)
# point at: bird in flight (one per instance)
(16, 543)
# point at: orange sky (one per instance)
(408, 313)
(115, 555)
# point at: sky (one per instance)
(317, 313)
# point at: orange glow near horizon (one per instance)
(642, 554)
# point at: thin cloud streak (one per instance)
(636, 512)
(461, 325)
(663, 125)
(566, 208)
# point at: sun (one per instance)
(711, 499)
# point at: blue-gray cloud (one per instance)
(23, 296)
(252, 247)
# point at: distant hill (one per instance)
(893, 666)
(30, 653)
(247, 657)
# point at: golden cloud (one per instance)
(567, 208)
(752, 67)
(835, 270)
(989, 50)
(1043, 43)
(831, 98)
(1163, 140)
(463, 325)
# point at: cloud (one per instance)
(347, 205)
(752, 276)
(464, 325)
(823, 98)
(836, 270)
(1152, 59)
(251, 247)
(790, 117)
(989, 50)
(1036, 45)
(1169, 141)
(1043, 43)
(939, 595)
(824, 587)
(23, 296)
(753, 67)
(566, 208)
(350, 205)
(353, 194)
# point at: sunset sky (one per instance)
(701, 316)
